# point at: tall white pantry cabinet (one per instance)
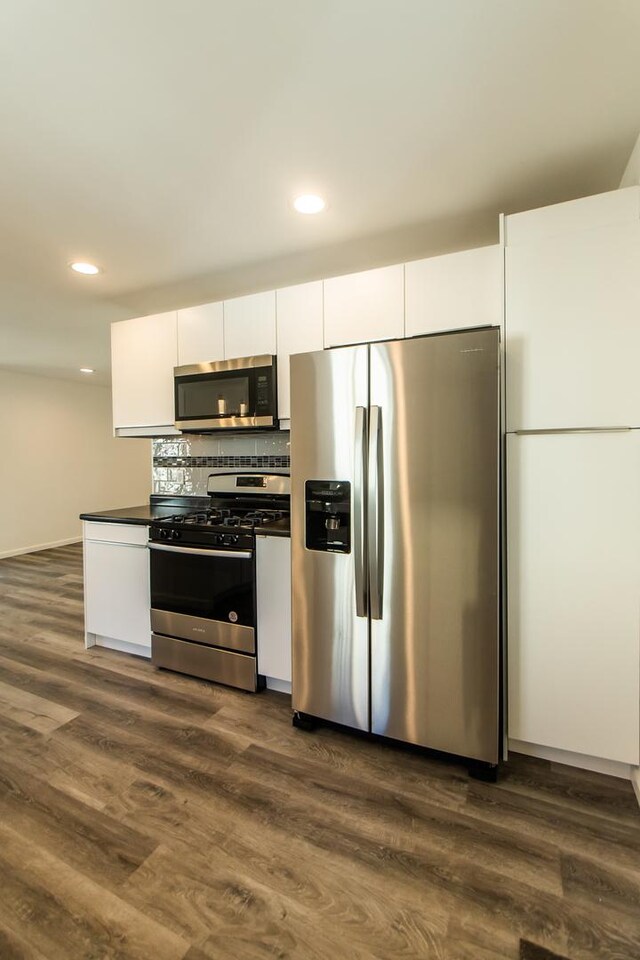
(572, 327)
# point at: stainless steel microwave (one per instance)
(236, 394)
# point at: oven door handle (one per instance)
(203, 552)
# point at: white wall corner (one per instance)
(631, 175)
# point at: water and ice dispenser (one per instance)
(328, 515)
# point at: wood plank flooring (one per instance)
(148, 816)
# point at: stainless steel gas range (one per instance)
(203, 585)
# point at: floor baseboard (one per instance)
(39, 546)
(611, 768)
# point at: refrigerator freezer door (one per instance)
(329, 397)
(435, 650)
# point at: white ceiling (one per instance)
(163, 139)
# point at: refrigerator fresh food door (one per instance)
(433, 541)
(330, 657)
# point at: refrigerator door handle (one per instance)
(359, 509)
(375, 533)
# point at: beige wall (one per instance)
(58, 459)
(631, 176)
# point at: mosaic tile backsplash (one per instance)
(182, 465)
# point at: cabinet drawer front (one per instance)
(134, 534)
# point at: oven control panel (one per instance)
(199, 538)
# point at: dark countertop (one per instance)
(279, 528)
(148, 512)
(142, 515)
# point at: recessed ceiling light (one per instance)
(89, 269)
(309, 203)
(86, 370)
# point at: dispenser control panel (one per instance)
(328, 515)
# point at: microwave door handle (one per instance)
(359, 512)
(375, 533)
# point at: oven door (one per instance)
(204, 595)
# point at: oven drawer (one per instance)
(214, 633)
(221, 666)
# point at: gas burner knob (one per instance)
(175, 534)
(164, 534)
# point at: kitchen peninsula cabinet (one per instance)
(144, 352)
(116, 587)
(200, 334)
(455, 291)
(250, 325)
(362, 307)
(299, 326)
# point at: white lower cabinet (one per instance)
(116, 587)
(273, 575)
(573, 531)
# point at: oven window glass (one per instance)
(217, 588)
(213, 397)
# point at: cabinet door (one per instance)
(453, 292)
(117, 592)
(573, 528)
(144, 352)
(364, 306)
(273, 576)
(250, 325)
(299, 330)
(573, 325)
(200, 334)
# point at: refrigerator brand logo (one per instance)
(473, 350)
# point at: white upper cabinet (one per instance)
(200, 334)
(250, 325)
(299, 330)
(364, 306)
(455, 291)
(573, 585)
(573, 314)
(144, 352)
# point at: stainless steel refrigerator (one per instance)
(395, 487)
